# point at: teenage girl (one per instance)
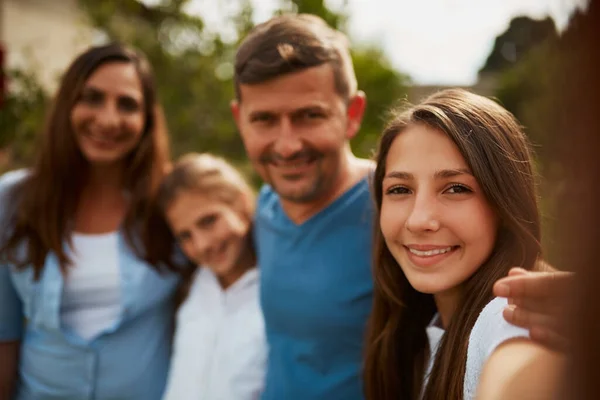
(457, 208)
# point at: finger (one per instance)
(517, 271)
(526, 319)
(546, 305)
(549, 338)
(534, 285)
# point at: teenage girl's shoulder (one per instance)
(491, 329)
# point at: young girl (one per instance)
(457, 208)
(219, 347)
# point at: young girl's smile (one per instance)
(435, 218)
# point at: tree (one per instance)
(193, 67)
(523, 35)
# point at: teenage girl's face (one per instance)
(210, 232)
(435, 218)
(108, 118)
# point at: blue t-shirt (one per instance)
(316, 294)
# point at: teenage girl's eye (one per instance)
(458, 189)
(397, 190)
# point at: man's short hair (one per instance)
(292, 43)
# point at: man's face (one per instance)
(295, 129)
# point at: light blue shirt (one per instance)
(130, 360)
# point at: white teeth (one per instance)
(429, 253)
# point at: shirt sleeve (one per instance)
(11, 309)
(11, 312)
(489, 332)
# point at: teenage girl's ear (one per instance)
(356, 110)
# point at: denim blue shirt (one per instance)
(129, 360)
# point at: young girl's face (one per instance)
(435, 218)
(210, 232)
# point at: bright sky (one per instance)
(433, 41)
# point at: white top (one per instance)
(489, 332)
(219, 350)
(91, 298)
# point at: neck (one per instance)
(352, 170)
(446, 303)
(246, 261)
(104, 181)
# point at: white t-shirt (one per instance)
(91, 298)
(220, 349)
(489, 332)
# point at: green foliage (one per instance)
(384, 87)
(193, 67)
(523, 35)
(21, 118)
(528, 90)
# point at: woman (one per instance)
(457, 208)
(89, 318)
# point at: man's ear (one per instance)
(234, 105)
(356, 110)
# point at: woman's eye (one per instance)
(92, 97)
(128, 104)
(456, 189)
(397, 190)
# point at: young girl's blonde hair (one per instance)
(208, 175)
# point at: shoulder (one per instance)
(265, 194)
(10, 179)
(490, 331)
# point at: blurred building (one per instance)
(42, 36)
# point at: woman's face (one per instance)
(109, 115)
(210, 232)
(435, 219)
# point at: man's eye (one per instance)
(262, 118)
(91, 97)
(128, 104)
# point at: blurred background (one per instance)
(512, 50)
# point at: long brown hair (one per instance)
(45, 202)
(499, 156)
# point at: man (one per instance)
(297, 107)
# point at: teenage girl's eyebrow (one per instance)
(440, 174)
(451, 173)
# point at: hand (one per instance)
(538, 301)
